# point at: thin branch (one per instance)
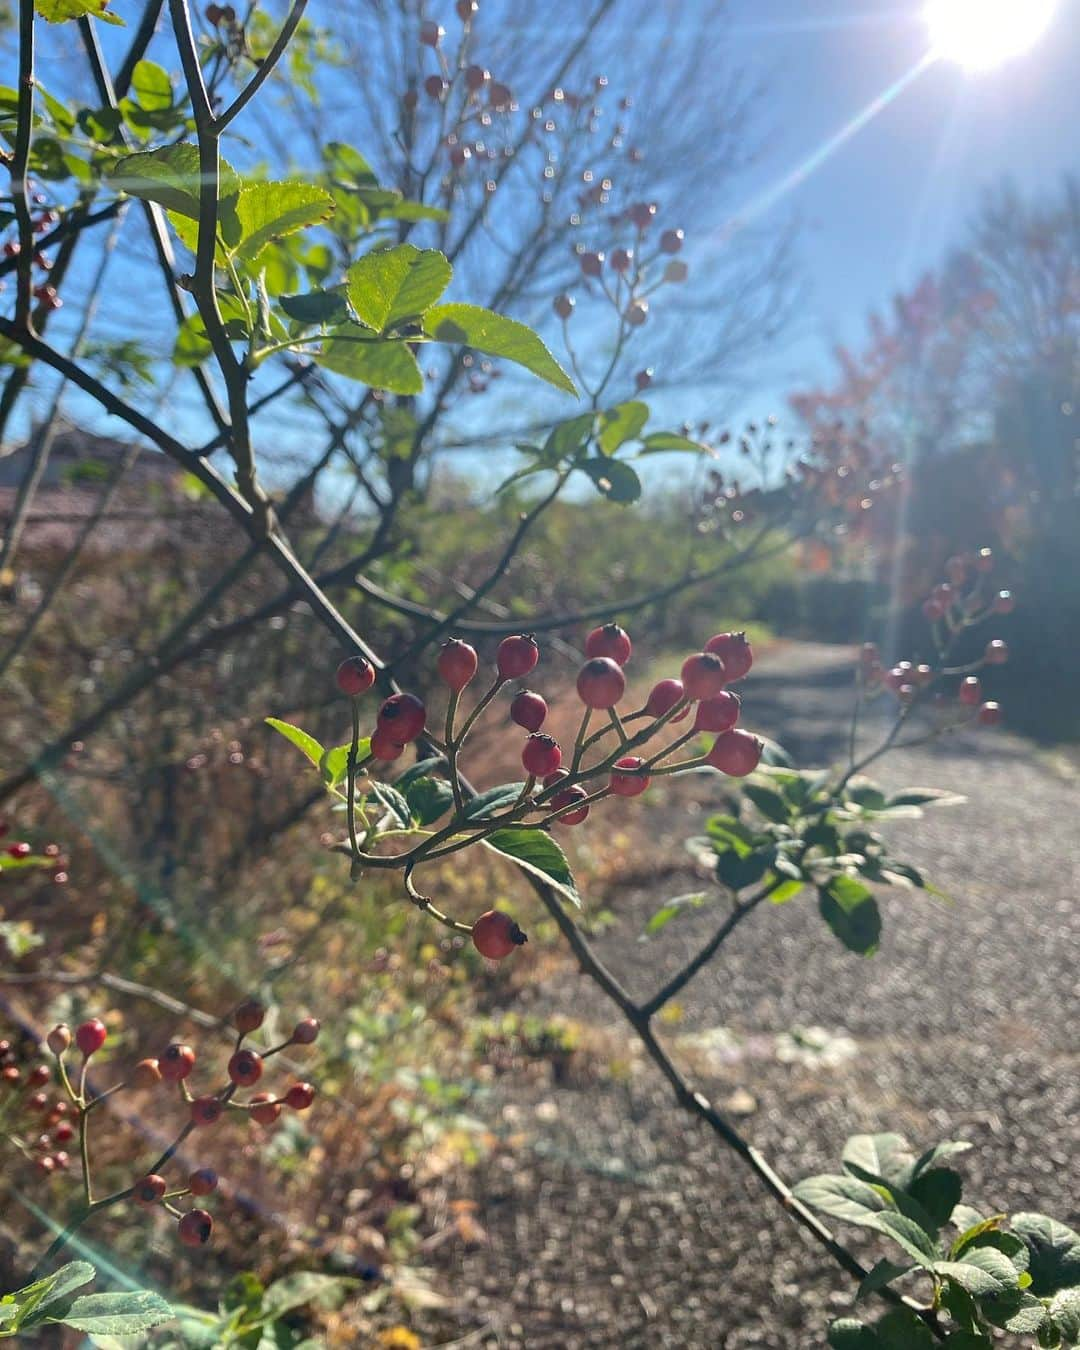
(265, 69)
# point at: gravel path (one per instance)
(615, 1221)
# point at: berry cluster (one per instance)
(560, 787)
(41, 223)
(57, 1120)
(21, 855)
(953, 607)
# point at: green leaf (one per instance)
(334, 764)
(392, 800)
(472, 326)
(1055, 1252)
(982, 1272)
(974, 1231)
(494, 799)
(1065, 1313)
(65, 1281)
(539, 854)
(660, 442)
(380, 365)
(841, 1196)
(849, 1334)
(850, 910)
(60, 11)
(903, 1330)
(938, 1190)
(302, 1287)
(151, 87)
(567, 438)
(906, 1233)
(879, 1157)
(769, 802)
(116, 1314)
(679, 905)
(737, 871)
(263, 212)
(420, 769)
(948, 1148)
(388, 286)
(316, 307)
(306, 744)
(169, 176)
(613, 479)
(882, 1274)
(1016, 1311)
(429, 798)
(621, 424)
(787, 890)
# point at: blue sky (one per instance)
(892, 198)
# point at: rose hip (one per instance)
(495, 935)
(611, 641)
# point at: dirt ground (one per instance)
(616, 1222)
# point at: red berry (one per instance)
(495, 935)
(146, 1074)
(61, 1160)
(38, 1101)
(528, 710)
(90, 1036)
(300, 1096)
(643, 379)
(435, 86)
(177, 1062)
(641, 214)
(410, 98)
(970, 691)
(989, 714)
(476, 77)
(149, 1190)
(457, 664)
(541, 755)
(736, 753)
(717, 714)
(592, 264)
(385, 746)
(997, 653)
(671, 241)
(203, 1182)
(206, 1111)
(431, 34)
(621, 258)
(264, 1109)
(600, 682)
(499, 96)
(63, 1133)
(923, 675)
(703, 675)
(245, 1068)
(609, 640)
(195, 1228)
(10, 1074)
(663, 698)
(40, 1074)
(563, 306)
(566, 798)
(466, 9)
(676, 271)
(249, 1016)
(628, 779)
(355, 676)
(637, 313)
(306, 1032)
(516, 656)
(20, 850)
(1004, 602)
(402, 716)
(735, 651)
(45, 1165)
(59, 1038)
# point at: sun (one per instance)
(981, 34)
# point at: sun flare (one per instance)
(981, 34)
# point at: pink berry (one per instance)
(989, 714)
(663, 698)
(611, 641)
(402, 716)
(600, 682)
(997, 653)
(703, 675)
(457, 664)
(355, 676)
(717, 714)
(735, 651)
(90, 1036)
(1004, 602)
(516, 656)
(541, 755)
(495, 935)
(195, 1228)
(970, 692)
(528, 710)
(628, 777)
(637, 313)
(567, 797)
(736, 753)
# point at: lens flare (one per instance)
(981, 34)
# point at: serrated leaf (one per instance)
(613, 479)
(567, 438)
(850, 910)
(879, 1157)
(982, 1272)
(420, 769)
(60, 11)
(973, 1232)
(621, 424)
(169, 176)
(315, 307)
(429, 798)
(882, 1274)
(539, 854)
(378, 364)
(1065, 1313)
(264, 212)
(392, 800)
(1055, 1252)
(843, 1197)
(938, 1191)
(306, 744)
(116, 1314)
(494, 799)
(388, 286)
(472, 326)
(1018, 1312)
(903, 1330)
(151, 87)
(906, 1233)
